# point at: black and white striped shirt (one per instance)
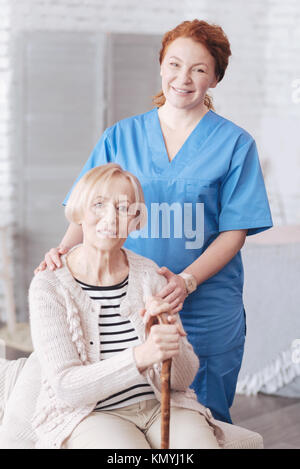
(116, 334)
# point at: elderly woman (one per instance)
(191, 158)
(100, 372)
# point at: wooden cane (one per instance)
(165, 378)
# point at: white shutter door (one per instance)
(61, 120)
(133, 74)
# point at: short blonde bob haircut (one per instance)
(87, 189)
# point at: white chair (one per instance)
(240, 438)
(235, 437)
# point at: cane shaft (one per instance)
(165, 378)
(165, 403)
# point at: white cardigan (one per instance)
(68, 377)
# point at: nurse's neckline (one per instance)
(170, 160)
(157, 109)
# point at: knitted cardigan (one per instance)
(65, 336)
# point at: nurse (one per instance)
(204, 192)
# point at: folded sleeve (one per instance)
(102, 154)
(243, 198)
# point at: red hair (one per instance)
(211, 36)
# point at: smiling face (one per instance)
(187, 71)
(106, 220)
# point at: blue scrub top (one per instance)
(217, 175)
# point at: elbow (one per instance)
(66, 391)
(194, 368)
(193, 360)
(68, 400)
(243, 238)
(192, 374)
(184, 375)
(236, 239)
(184, 383)
(178, 387)
(242, 243)
(65, 395)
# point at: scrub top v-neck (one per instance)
(157, 145)
(213, 184)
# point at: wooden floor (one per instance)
(277, 419)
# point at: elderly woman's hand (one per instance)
(174, 292)
(52, 259)
(163, 341)
(155, 306)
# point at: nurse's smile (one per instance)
(187, 71)
(181, 92)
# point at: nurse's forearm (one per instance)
(73, 236)
(217, 255)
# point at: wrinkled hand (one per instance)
(163, 341)
(174, 292)
(52, 259)
(155, 306)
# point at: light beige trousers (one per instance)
(137, 426)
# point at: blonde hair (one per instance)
(86, 189)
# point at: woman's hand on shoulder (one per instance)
(52, 259)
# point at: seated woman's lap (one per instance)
(101, 430)
(188, 430)
(138, 427)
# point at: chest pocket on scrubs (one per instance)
(206, 195)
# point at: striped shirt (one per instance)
(116, 334)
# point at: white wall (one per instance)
(256, 92)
